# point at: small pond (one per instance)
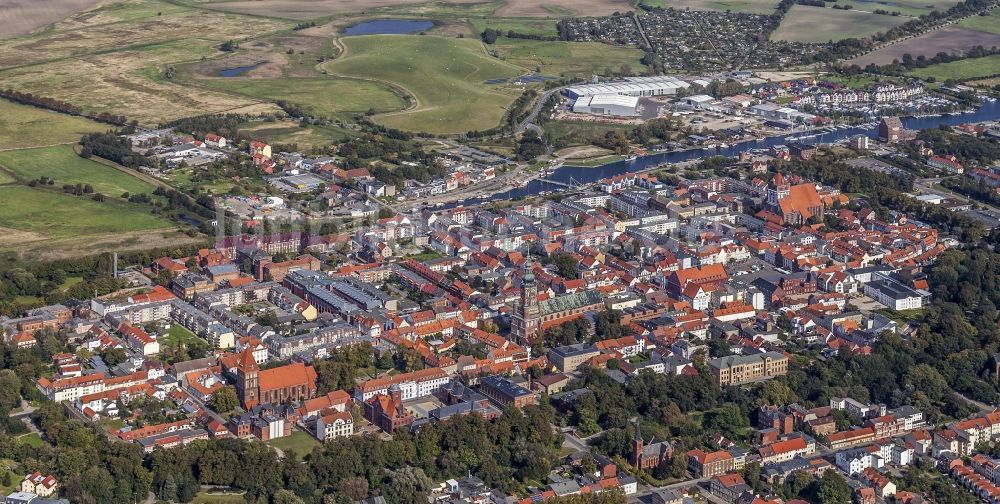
(240, 70)
(389, 27)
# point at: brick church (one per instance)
(289, 383)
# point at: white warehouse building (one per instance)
(609, 105)
(631, 86)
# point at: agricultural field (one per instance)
(912, 8)
(961, 69)
(63, 165)
(804, 23)
(26, 126)
(985, 24)
(445, 78)
(580, 59)
(549, 8)
(21, 17)
(951, 39)
(311, 9)
(747, 6)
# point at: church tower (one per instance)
(637, 447)
(777, 190)
(525, 322)
(247, 379)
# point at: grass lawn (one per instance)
(851, 81)
(300, 442)
(961, 69)
(445, 76)
(214, 498)
(179, 334)
(327, 96)
(62, 164)
(31, 439)
(567, 58)
(805, 23)
(26, 126)
(987, 24)
(35, 215)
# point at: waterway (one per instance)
(567, 174)
(389, 27)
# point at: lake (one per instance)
(240, 70)
(389, 27)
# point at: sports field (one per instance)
(26, 126)
(805, 23)
(581, 59)
(961, 69)
(65, 167)
(444, 76)
(986, 24)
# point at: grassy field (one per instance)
(520, 25)
(961, 69)
(444, 76)
(34, 216)
(300, 442)
(748, 6)
(580, 132)
(327, 96)
(105, 59)
(207, 498)
(804, 23)
(62, 164)
(914, 8)
(288, 132)
(986, 24)
(568, 58)
(179, 334)
(31, 439)
(26, 126)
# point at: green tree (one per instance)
(224, 400)
(833, 489)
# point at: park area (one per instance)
(805, 23)
(445, 78)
